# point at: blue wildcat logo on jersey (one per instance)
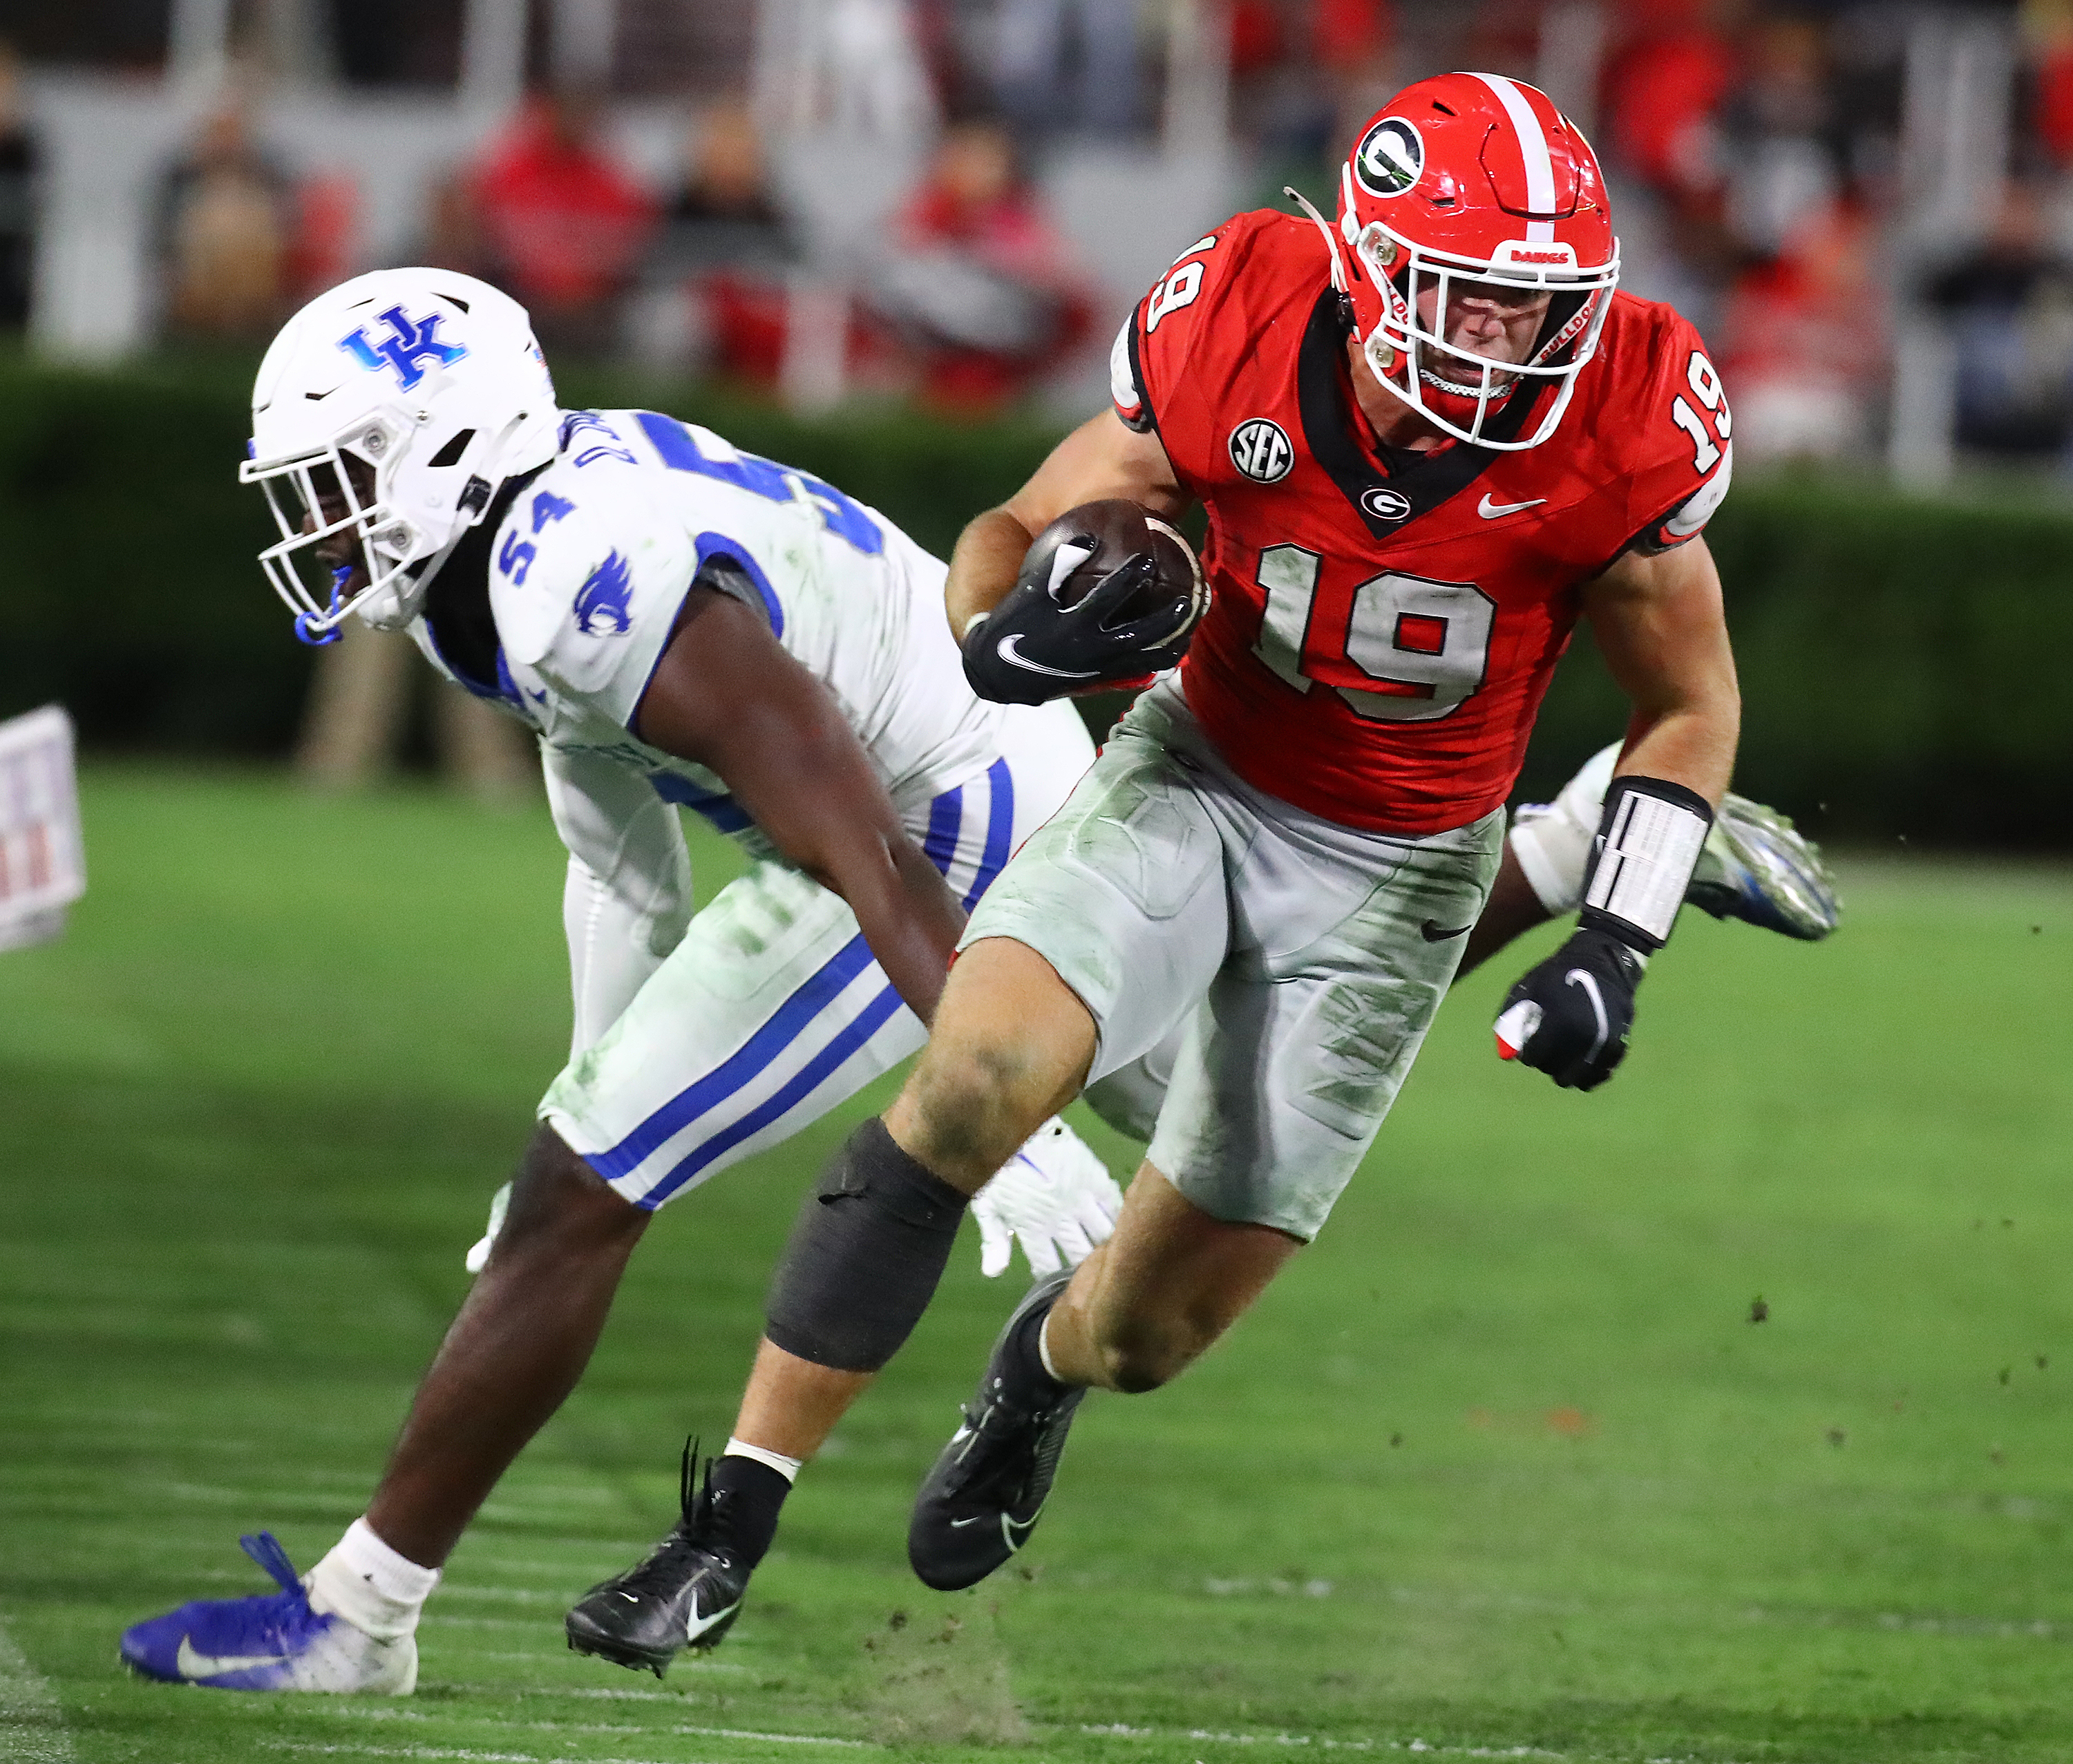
(601, 605)
(409, 342)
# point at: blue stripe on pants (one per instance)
(999, 831)
(786, 1024)
(815, 995)
(1000, 839)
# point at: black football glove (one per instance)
(1569, 1016)
(1034, 647)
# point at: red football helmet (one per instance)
(1474, 177)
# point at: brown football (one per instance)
(1083, 545)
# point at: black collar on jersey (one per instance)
(457, 603)
(1418, 483)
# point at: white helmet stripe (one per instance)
(1533, 150)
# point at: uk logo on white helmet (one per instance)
(373, 480)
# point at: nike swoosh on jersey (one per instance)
(1490, 511)
(1433, 932)
(1009, 649)
(191, 1663)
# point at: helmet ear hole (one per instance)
(451, 453)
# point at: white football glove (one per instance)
(1055, 1195)
(500, 1203)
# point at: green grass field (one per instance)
(1503, 1467)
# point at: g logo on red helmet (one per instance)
(1389, 157)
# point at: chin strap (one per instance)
(1331, 238)
(317, 639)
(1339, 283)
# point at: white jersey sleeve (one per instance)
(586, 579)
(627, 900)
(594, 557)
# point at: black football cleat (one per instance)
(685, 1593)
(988, 1486)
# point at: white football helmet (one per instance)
(432, 382)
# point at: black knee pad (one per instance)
(869, 1245)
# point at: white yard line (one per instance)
(376, 1712)
(583, 1557)
(455, 1752)
(1414, 1747)
(594, 1693)
(1323, 1742)
(506, 1595)
(1122, 1730)
(32, 1729)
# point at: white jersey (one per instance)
(592, 563)
(587, 570)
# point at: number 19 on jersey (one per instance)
(1424, 645)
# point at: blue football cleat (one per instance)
(1758, 867)
(269, 1641)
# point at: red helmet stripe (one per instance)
(1532, 151)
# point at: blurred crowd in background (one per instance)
(1867, 209)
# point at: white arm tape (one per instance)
(1647, 850)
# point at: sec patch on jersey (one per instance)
(1259, 449)
(1107, 593)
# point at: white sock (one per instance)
(1043, 1350)
(789, 1468)
(369, 1585)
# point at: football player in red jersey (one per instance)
(1427, 441)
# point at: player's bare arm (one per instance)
(727, 696)
(1100, 460)
(1659, 625)
(1659, 622)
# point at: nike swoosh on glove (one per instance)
(1570, 1015)
(1055, 1196)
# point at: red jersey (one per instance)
(1386, 621)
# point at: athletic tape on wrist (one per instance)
(1649, 840)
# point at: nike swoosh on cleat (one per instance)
(696, 1626)
(1491, 511)
(958, 1525)
(191, 1663)
(1009, 649)
(1432, 932)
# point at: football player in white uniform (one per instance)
(680, 623)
